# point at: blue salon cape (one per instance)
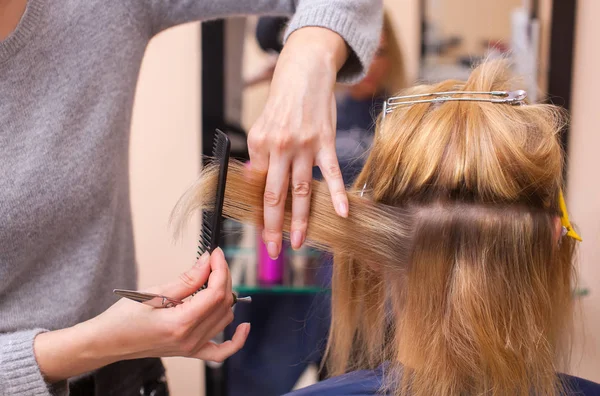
(368, 383)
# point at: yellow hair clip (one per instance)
(564, 219)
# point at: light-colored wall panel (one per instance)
(165, 149)
(583, 186)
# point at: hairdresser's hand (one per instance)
(296, 131)
(130, 330)
(184, 330)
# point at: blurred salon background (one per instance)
(553, 45)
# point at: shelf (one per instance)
(230, 251)
(279, 289)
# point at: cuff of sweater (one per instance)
(362, 45)
(20, 374)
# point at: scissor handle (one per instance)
(236, 299)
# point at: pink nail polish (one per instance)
(296, 239)
(343, 209)
(273, 250)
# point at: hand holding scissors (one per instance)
(158, 301)
(186, 329)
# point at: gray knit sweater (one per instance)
(67, 83)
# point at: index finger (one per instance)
(219, 277)
(275, 195)
(330, 167)
(257, 149)
(207, 301)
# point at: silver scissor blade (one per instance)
(134, 295)
(154, 300)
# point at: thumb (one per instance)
(188, 282)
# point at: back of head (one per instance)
(483, 303)
(450, 269)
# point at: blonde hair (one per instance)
(448, 269)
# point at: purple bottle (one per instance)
(270, 272)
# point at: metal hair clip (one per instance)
(362, 193)
(507, 97)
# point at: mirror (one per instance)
(290, 322)
(458, 34)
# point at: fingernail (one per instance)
(343, 209)
(247, 328)
(203, 259)
(296, 239)
(273, 250)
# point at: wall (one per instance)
(583, 187)
(165, 147)
(406, 18)
(545, 19)
(475, 21)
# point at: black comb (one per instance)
(210, 233)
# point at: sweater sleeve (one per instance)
(154, 16)
(20, 374)
(358, 22)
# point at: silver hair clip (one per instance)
(506, 97)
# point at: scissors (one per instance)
(159, 301)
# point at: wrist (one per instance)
(72, 351)
(95, 347)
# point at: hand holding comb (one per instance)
(210, 233)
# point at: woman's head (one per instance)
(483, 303)
(386, 72)
(471, 293)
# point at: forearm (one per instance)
(69, 352)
